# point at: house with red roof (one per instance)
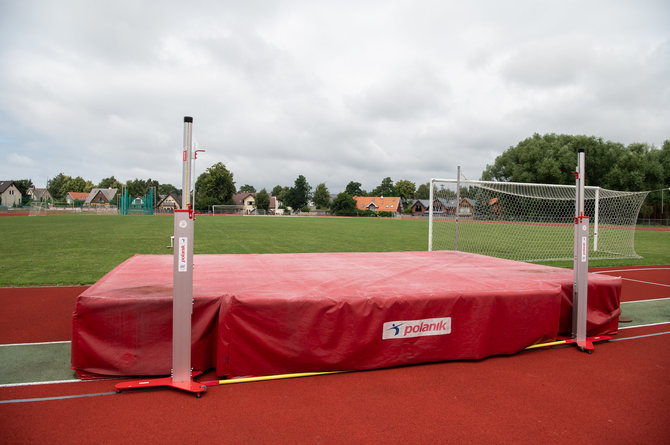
(71, 197)
(379, 203)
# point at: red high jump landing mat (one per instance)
(283, 313)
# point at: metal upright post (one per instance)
(182, 275)
(581, 262)
(430, 217)
(182, 288)
(458, 201)
(596, 219)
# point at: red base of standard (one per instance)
(587, 344)
(190, 386)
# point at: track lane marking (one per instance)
(645, 301)
(644, 325)
(46, 399)
(38, 343)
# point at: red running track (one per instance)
(618, 394)
(640, 282)
(37, 314)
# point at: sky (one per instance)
(336, 91)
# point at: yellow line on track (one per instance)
(310, 374)
(545, 345)
(276, 377)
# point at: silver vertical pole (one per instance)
(186, 167)
(458, 201)
(581, 260)
(430, 217)
(182, 273)
(182, 291)
(596, 220)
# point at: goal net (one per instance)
(38, 208)
(529, 222)
(221, 209)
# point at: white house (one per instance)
(10, 196)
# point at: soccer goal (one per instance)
(529, 222)
(38, 208)
(221, 209)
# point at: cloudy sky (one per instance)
(337, 91)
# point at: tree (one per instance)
(110, 183)
(423, 192)
(166, 189)
(354, 189)
(405, 189)
(276, 190)
(385, 188)
(23, 185)
(140, 187)
(299, 195)
(246, 188)
(343, 202)
(58, 186)
(77, 184)
(136, 187)
(214, 186)
(321, 196)
(263, 200)
(551, 159)
(282, 195)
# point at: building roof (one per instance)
(239, 198)
(175, 197)
(4, 185)
(380, 203)
(424, 202)
(78, 196)
(109, 194)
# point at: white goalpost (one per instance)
(225, 209)
(529, 222)
(38, 208)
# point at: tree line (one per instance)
(552, 159)
(548, 159)
(217, 186)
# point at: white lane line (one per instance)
(645, 301)
(39, 343)
(645, 325)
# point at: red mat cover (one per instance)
(269, 314)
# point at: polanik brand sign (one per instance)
(416, 328)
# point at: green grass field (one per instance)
(80, 249)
